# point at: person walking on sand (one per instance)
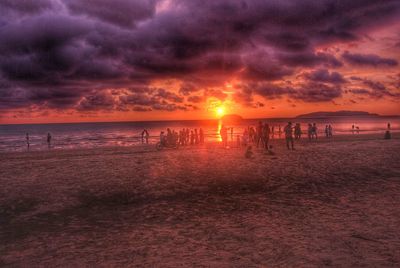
(289, 135)
(266, 133)
(309, 132)
(27, 141)
(245, 137)
(314, 131)
(142, 135)
(330, 131)
(48, 140)
(297, 131)
(224, 136)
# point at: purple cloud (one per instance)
(69, 53)
(368, 60)
(324, 76)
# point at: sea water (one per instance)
(89, 135)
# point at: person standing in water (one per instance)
(289, 135)
(388, 126)
(27, 141)
(48, 140)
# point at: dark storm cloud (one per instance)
(271, 91)
(29, 7)
(120, 12)
(147, 99)
(375, 89)
(85, 47)
(310, 59)
(368, 60)
(323, 75)
(317, 92)
(96, 101)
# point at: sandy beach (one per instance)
(328, 203)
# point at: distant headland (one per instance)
(231, 118)
(336, 114)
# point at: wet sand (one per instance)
(328, 203)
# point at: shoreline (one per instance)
(232, 143)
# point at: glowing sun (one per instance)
(220, 111)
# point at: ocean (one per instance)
(89, 135)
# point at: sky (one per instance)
(120, 60)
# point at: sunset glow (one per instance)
(220, 111)
(67, 61)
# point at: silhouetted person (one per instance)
(314, 131)
(27, 141)
(147, 135)
(388, 136)
(352, 129)
(309, 131)
(201, 135)
(289, 135)
(272, 132)
(224, 136)
(163, 138)
(191, 137)
(48, 140)
(245, 137)
(266, 133)
(326, 131)
(388, 126)
(142, 136)
(279, 131)
(297, 131)
(252, 135)
(196, 137)
(330, 131)
(249, 153)
(358, 129)
(259, 136)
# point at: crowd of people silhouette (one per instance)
(258, 136)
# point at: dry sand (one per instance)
(328, 203)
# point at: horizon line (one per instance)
(175, 120)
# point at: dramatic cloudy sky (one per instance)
(100, 60)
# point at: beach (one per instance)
(333, 202)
